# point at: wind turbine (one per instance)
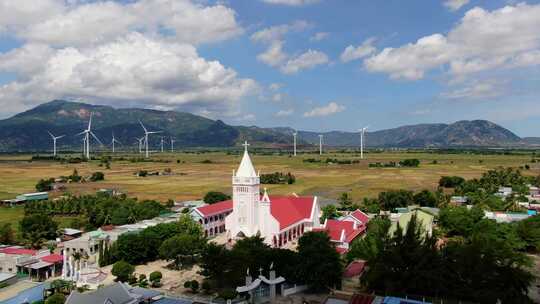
(162, 143)
(55, 138)
(87, 132)
(140, 141)
(146, 133)
(172, 144)
(294, 137)
(362, 133)
(320, 143)
(113, 141)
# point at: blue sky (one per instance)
(307, 64)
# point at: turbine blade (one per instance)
(83, 132)
(61, 136)
(94, 136)
(145, 131)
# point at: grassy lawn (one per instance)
(192, 178)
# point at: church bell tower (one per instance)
(246, 196)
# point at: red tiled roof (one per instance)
(53, 258)
(341, 250)
(336, 227)
(362, 299)
(288, 210)
(22, 251)
(216, 208)
(361, 216)
(354, 268)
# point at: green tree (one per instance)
(56, 298)
(425, 198)
(155, 278)
(123, 271)
(319, 262)
(45, 185)
(393, 199)
(143, 281)
(181, 249)
(213, 197)
(7, 235)
(215, 264)
(345, 201)
(97, 176)
(459, 221)
(37, 228)
(368, 247)
(529, 231)
(329, 212)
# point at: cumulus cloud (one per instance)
(307, 60)
(331, 108)
(117, 53)
(319, 36)
(274, 55)
(353, 53)
(291, 2)
(285, 113)
(275, 86)
(482, 40)
(476, 90)
(273, 33)
(454, 5)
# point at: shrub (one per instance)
(123, 271)
(97, 176)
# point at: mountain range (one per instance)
(27, 131)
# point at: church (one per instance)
(280, 220)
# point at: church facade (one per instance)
(280, 220)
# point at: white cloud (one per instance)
(273, 33)
(454, 5)
(307, 60)
(476, 90)
(331, 108)
(353, 53)
(277, 97)
(482, 40)
(60, 23)
(275, 86)
(285, 113)
(274, 55)
(292, 2)
(130, 69)
(319, 36)
(119, 53)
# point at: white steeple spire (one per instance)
(246, 166)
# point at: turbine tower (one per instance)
(146, 133)
(55, 138)
(294, 138)
(87, 132)
(362, 133)
(113, 142)
(140, 141)
(162, 143)
(320, 143)
(172, 145)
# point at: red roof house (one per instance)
(342, 232)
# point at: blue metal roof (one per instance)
(173, 301)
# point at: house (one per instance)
(29, 197)
(459, 200)
(117, 293)
(278, 219)
(23, 291)
(36, 264)
(342, 233)
(357, 216)
(70, 234)
(426, 220)
(504, 192)
(507, 217)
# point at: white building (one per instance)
(278, 219)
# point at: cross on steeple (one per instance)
(246, 145)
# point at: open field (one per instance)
(191, 178)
